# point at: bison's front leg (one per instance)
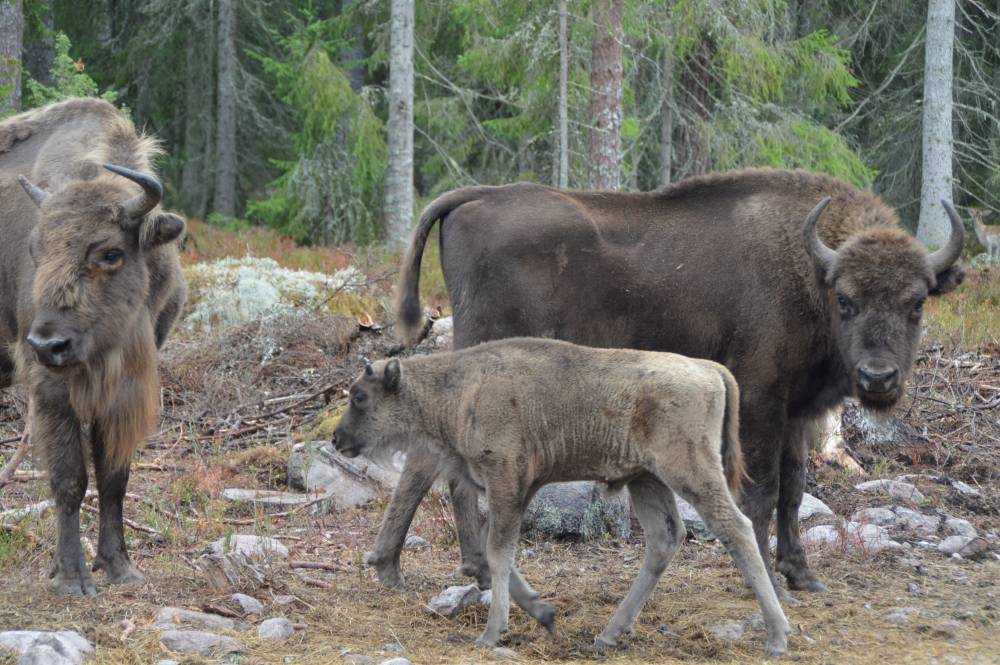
(57, 430)
(791, 558)
(112, 557)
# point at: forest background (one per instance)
(277, 113)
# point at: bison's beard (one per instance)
(879, 402)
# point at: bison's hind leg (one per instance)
(657, 512)
(705, 488)
(112, 557)
(504, 528)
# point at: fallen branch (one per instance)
(313, 582)
(22, 451)
(129, 523)
(221, 611)
(316, 565)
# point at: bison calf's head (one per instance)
(875, 285)
(375, 422)
(90, 282)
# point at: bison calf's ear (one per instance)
(161, 229)
(948, 280)
(390, 379)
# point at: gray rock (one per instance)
(68, 645)
(278, 629)
(913, 588)
(822, 535)
(454, 599)
(168, 662)
(578, 510)
(503, 653)
(899, 615)
(439, 338)
(696, 527)
(270, 498)
(965, 546)
(198, 642)
(755, 621)
(880, 516)
(43, 654)
(359, 659)
(250, 546)
(393, 646)
(811, 507)
(350, 483)
(15, 516)
(248, 604)
(415, 542)
(727, 631)
(894, 488)
(965, 489)
(959, 527)
(918, 523)
(174, 617)
(870, 538)
(396, 661)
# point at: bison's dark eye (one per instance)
(845, 306)
(918, 308)
(359, 399)
(112, 256)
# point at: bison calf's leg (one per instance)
(791, 558)
(657, 512)
(56, 428)
(504, 529)
(419, 472)
(112, 557)
(465, 507)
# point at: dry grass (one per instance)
(969, 318)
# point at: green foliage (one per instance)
(70, 80)
(333, 192)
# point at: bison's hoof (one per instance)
(480, 571)
(776, 650)
(806, 582)
(602, 642)
(547, 617)
(387, 570)
(119, 569)
(72, 580)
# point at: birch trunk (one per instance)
(933, 228)
(606, 73)
(11, 34)
(399, 178)
(563, 170)
(224, 201)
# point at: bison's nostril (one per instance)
(51, 351)
(879, 379)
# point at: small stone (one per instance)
(251, 546)
(970, 548)
(359, 659)
(665, 629)
(899, 615)
(168, 662)
(248, 604)
(755, 621)
(396, 661)
(198, 642)
(37, 645)
(393, 646)
(822, 535)
(918, 523)
(959, 527)
(284, 600)
(278, 629)
(527, 553)
(454, 599)
(870, 537)
(956, 556)
(948, 629)
(415, 542)
(879, 516)
(811, 507)
(894, 488)
(965, 489)
(503, 653)
(913, 588)
(174, 617)
(728, 631)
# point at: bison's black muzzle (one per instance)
(877, 378)
(53, 351)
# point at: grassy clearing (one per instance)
(968, 318)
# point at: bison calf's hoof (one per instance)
(480, 572)
(388, 571)
(119, 569)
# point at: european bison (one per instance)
(735, 267)
(510, 416)
(90, 285)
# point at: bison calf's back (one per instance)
(511, 416)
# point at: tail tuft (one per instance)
(732, 452)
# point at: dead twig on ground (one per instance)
(22, 451)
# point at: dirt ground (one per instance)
(251, 408)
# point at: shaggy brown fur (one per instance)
(80, 268)
(715, 267)
(511, 416)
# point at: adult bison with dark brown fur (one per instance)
(804, 303)
(90, 285)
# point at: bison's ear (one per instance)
(948, 280)
(161, 229)
(390, 378)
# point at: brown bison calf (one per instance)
(513, 415)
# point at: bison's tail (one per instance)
(732, 453)
(409, 314)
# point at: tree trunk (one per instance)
(224, 202)
(356, 52)
(40, 53)
(563, 167)
(11, 32)
(399, 178)
(667, 110)
(606, 73)
(198, 110)
(936, 184)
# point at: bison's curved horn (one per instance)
(942, 259)
(152, 191)
(37, 194)
(822, 254)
